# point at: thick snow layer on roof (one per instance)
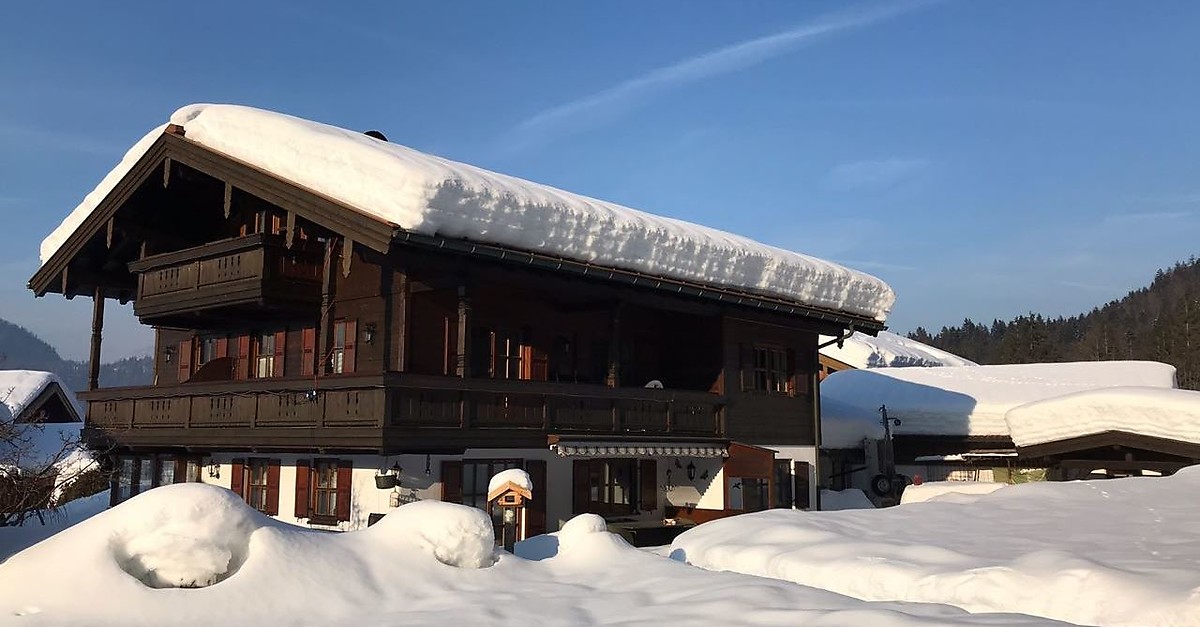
(1155, 412)
(435, 196)
(18, 388)
(845, 426)
(973, 400)
(889, 350)
(426, 563)
(1117, 552)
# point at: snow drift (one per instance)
(889, 350)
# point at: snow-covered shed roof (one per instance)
(1150, 411)
(432, 196)
(20, 388)
(889, 350)
(973, 400)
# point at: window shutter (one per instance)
(579, 487)
(280, 338)
(801, 485)
(222, 348)
(273, 487)
(648, 485)
(185, 360)
(535, 514)
(181, 470)
(746, 366)
(536, 362)
(345, 475)
(237, 482)
(308, 344)
(303, 495)
(242, 368)
(351, 339)
(452, 481)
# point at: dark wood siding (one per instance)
(762, 417)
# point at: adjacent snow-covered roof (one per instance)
(438, 197)
(1150, 411)
(889, 350)
(846, 426)
(18, 388)
(973, 400)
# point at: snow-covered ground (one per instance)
(1117, 552)
(888, 350)
(16, 539)
(946, 491)
(426, 563)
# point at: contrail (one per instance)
(607, 104)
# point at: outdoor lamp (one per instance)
(368, 333)
(691, 470)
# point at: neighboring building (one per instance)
(953, 419)
(886, 350)
(39, 440)
(31, 396)
(329, 307)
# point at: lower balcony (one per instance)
(389, 413)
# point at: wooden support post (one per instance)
(325, 330)
(613, 378)
(108, 233)
(386, 283)
(462, 357)
(97, 331)
(402, 317)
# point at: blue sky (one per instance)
(985, 158)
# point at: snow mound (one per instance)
(512, 475)
(949, 491)
(455, 535)
(837, 500)
(1116, 552)
(888, 350)
(438, 197)
(973, 400)
(1154, 412)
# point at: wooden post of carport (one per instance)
(97, 332)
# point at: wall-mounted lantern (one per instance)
(168, 354)
(691, 471)
(368, 334)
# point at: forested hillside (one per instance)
(22, 350)
(1160, 322)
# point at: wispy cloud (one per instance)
(877, 173)
(603, 106)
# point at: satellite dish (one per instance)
(654, 385)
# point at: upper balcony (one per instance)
(246, 276)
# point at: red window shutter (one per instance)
(238, 478)
(345, 475)
(308, 348)
(242, 367)
(351, 337)
(185, 360)
(222, 348)
(648, 485)
(303, 479)
(280, 338)
(535, 514)
(452, 481)
(273, 487)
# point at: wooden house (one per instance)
(306, 343)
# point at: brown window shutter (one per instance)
(452, 481)
(746, 366)
(280, 338)
(647, 485)
(303, 495)
(801, 483)
(308, 348)
(579, 486)
(351, 340)
(238, 478)
(180, 470)
(222, 348)
(242, 367)
(273, 487)
(535, 514)
(535, 363)
(185, 360)
(345, 475)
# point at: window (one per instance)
(136, 474)
(124, 480)
(206, 350)
(341, 353)
(166, 473)
(476, 476)
(605, 486)
(771, 370)
(748, 494)
(264, 360)
(256, 484)
(325, 483)
(507, 354)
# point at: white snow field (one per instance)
(17, 539)
(1154, 412)
(427, 563)
(434, 196)
(949, 491)
(1117, 552)
(889, 350)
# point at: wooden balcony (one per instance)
(390, 413)
(256, 271)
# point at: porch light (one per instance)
(427, 464)
(214, 470)
(368, 334)
(691, 471)
(168, 353)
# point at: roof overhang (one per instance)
(1124, 439)
(567, 447)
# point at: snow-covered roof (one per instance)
(973, 400)
(1150, 411)
(889, 350)
(437, 197)
(19, 388)
(845, 426)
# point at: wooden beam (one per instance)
(166, 172)
(227, 204)
(108, 233)
(97, 332)
(613, 378)
(347, 255)
(325, 330)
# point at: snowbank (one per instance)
(396, 572)
(16, 539)
(837, 500)
(434, 196)
(889, 350)
(1118, 552)
(1155, 412)
(961, 491)
(973, 400)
